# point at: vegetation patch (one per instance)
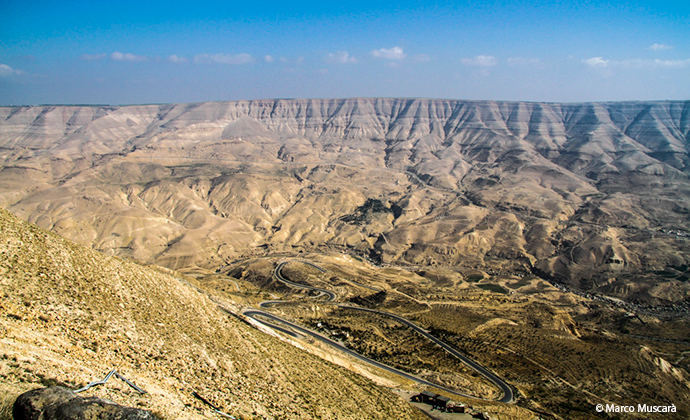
(475, 277)
(364, 212)
(493, 288)
(370, 301)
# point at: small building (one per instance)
(455, 408)
(425, 397)
(441, 402)
(435, 400)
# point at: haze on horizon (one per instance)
(156, 52)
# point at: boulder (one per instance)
(59, 403)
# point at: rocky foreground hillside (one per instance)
(68, 315)
(596, 196)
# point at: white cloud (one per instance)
(660, 47)
(269, 59)
(118, 56)
(92, 57)
(525, 62)
(395, 53)
(224, 59)
(673, 64)
(6, 71)
(177, 59)
(341, 57)
(636, 63)
(480, 61)
(597, 62)
(421, 58)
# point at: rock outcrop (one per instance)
(59, 403)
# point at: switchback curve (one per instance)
(296, 330)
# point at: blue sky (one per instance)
(153, 52)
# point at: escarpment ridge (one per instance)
(594, 195)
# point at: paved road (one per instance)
(278, 275)
(507, 391)
(256, 314)
(269, 303)
(236, 284)
(296, 330)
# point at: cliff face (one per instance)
(555, 131)
(582, 192)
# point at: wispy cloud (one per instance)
(421, 58)
(177, 59)
(341, 57)
(118, 56)
(269, 59)
(660, 47)
(92, 57)
(6, 71)
(673, 64)
(395, 53)
(525, 62)
(636, 63)
(596, 62)
(224, 59)
(480, 61)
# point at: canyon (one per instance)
(594, 196)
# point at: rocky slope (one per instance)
(68, 315)
(596, 195)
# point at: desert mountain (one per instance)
(69, 314)
(594, 195)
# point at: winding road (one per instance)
(294, 330)
(507, 391)
(277, 273)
